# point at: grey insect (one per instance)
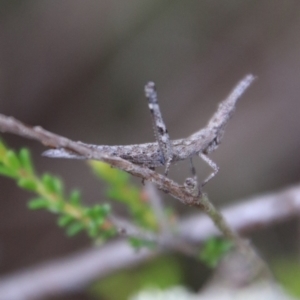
(165, 151)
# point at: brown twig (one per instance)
(49, 139)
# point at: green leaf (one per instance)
(109, 174)
(25, 160)
(38, 203)
(12, 160)
(74, 228)
(57, 206)
(27, 184)
(58, 185)
(213, 250)
(52, 184)
(7, 172)
(101, 210)
(65, 220)
(47, 181)
(98, 212)
(105, 208)
(93, 232)
(75, 197)
(3, 148)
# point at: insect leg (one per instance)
(160, 130)
(212, 165)
(191, 183)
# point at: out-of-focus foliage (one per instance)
(161, 273)
(258, 291)
(73, 214)
(119, 188)
(287, 271)
(75, 217)
(213, 250)
(50, 195)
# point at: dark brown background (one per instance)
(78, 68)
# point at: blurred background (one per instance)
(78, 68)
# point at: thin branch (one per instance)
(49, 139)
(248, 215)
(180, 192)
(77, 271)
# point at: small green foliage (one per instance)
(27, 184)
(140, 243)
(75, 198)
(52, 184)
(109, 174)
(213, 250)
(38, 203)
(287, 272)
(119, 188)
(65, 220)
(74, 228)
(162, 272)
(73, 216)
(50, 195)
(25, 159)
(12, 160)
(7, 172)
